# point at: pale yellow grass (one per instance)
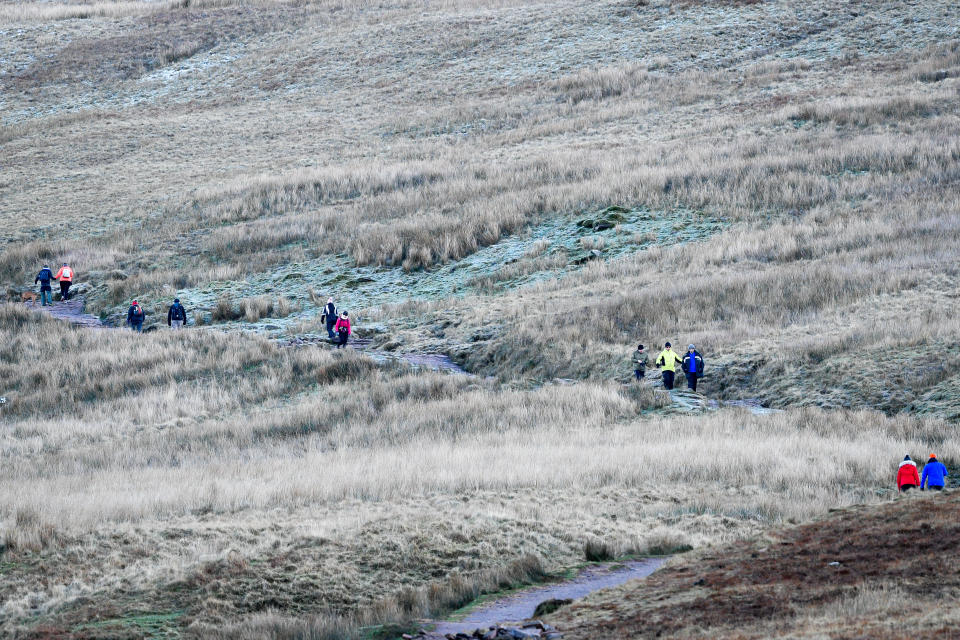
(202, 464)
(416, 183)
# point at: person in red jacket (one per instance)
(343, 329)
(907, 476)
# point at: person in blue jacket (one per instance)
(44, 278)
(692, 366)
(934, 474)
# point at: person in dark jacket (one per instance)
(692, 366)
(343, 329)
(176, 315)
(934, 474)
(46, 291)
(135, 316)
(907, 477)
(640, 362)
(330, 316)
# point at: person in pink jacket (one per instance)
(343, 329)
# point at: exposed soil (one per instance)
(811, 580)
(71, 311)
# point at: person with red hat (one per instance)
(907, 477)
(934, 474)
(135, 316)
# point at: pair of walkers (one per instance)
(338, 324)
(176, 316)
(934, 475)
(64, 276)
(691, 364)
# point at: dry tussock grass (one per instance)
(374, 469)
(841, 174)
(410, 603)
(321, 448)
(734, 288)
(444, 188)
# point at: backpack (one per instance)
(176, 312)
(137, 312)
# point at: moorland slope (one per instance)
(528, 187)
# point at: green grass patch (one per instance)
(158, 626)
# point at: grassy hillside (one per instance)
(528, 187)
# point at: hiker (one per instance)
(329, 316)
(343, 329)
(907, 477)
(176, 315)
(135, 316)
(640, 362)
(46, 292)
(65, 276)
(667, 360)
(934, 474)
(692, 367)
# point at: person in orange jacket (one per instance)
(343, 329)
(65, 276)
(907, 476)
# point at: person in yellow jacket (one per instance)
(668, 360)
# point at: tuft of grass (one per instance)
(30, 531)
(597, 550)
(225, 311)
(253, 309)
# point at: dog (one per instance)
(28, 295)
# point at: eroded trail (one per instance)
(519, 606)
(70, 311)
(432, 361)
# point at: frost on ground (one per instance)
(529, 189)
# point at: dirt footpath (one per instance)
(71, 311)
(865, 572)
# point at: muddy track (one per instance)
(72, 311)
(432, 361)
(520, 606)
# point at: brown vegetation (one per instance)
(292, 463)
(235, 487)
(864, 572)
